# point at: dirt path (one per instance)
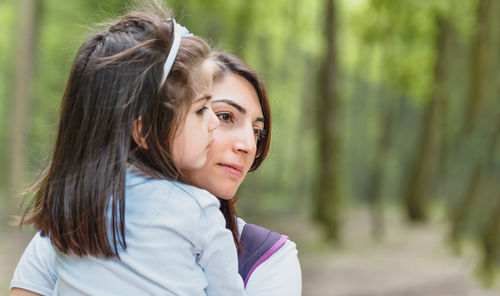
(410, 261)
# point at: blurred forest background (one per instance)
(389, 106)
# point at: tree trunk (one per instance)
(479, 60)
(460, 215)
(328, 194)
(490, 246)
(490, 242)
(29, 16)
(375, 183)
(303, 184)
(483, 84)
(423, 167)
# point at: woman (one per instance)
(241, 104)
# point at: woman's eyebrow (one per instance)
(237, 106)
(232, 103)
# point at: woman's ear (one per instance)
(137, 134)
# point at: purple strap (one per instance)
(258, 244)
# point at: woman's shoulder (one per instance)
(280, 274)
(285, 249)
(275, 268)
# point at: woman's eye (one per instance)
(257, 132)
(201, 110)
(225, 117)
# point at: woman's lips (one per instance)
(233, 169)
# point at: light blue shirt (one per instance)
(279, 275)
(177, 244)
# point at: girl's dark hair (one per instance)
(229, 63)
(114, 80)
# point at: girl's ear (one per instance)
(137, 134)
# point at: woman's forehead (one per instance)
(235, 88)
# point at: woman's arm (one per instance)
(278, 275)
(22, 292)
(35, 271)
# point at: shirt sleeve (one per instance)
(278, 275)
(218, 256)
(35, 271)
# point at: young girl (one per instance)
(135, 115)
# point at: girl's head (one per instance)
(116, 81)
(117, 111)
(241, 142)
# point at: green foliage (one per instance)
(64, 26)
(7, 44)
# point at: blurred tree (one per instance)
(29, 19)
(424, 169)
(462, 212)
(376, 178)
(327, 201)
(480, 64)
(482, 86)
(490, 235)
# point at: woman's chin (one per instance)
(221, 187)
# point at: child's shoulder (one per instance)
(169, 191)
(200, 196)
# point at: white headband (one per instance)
(179, 32)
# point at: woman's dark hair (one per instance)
(229, 63)
(114, 80)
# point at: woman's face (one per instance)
(232, 152)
